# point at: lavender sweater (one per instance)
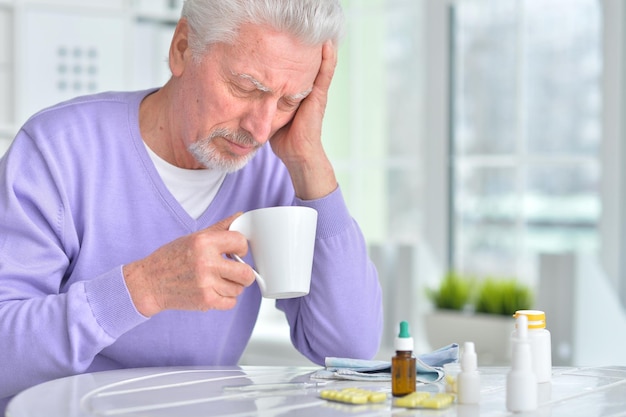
(80, 197)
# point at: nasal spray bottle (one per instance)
(403, 365)
(521, 382)
(468, 380)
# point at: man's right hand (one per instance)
(191, 273)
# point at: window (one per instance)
(372, 123)
(525, 128)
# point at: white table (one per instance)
(195, 392)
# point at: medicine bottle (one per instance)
(521, 382)
(403, 366)
(468, 380)
(540, 343)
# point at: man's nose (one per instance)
(259, 119)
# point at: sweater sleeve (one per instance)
(48, 327)
(342, 315)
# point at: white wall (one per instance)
(599, 318)
(6, 76)
(583, 311)
(53, 50)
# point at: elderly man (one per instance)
(115, 207)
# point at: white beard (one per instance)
(207, 154)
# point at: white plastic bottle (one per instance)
(540, 343)
(468, 380)
(521, 382)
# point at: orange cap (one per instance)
(536, 318)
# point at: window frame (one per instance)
(613, 188)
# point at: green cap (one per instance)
(404, 329)
(404, 341)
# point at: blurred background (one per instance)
(484, 137)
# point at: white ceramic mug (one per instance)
(281, 240)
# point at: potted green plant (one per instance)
(454, 292)
(476, 310)
(502, 297)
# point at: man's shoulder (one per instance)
(87, 124)
(88, 107)
(85, 115)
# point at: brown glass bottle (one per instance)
(403, 373)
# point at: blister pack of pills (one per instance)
(353, 396)
(421, 399)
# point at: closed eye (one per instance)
(292, 102)
(243, 91)
(289, 105)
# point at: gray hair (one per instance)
(311, 21)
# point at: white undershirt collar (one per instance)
(194, 189)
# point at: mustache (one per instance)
(239, 137)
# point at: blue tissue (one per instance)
(429, 367)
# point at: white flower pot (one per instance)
(490, 333)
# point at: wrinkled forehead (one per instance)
(274, 60)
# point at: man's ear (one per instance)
(179, 48)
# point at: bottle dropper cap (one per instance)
(404, 341)
(469, 360)
(521, 323)
(521, 349)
